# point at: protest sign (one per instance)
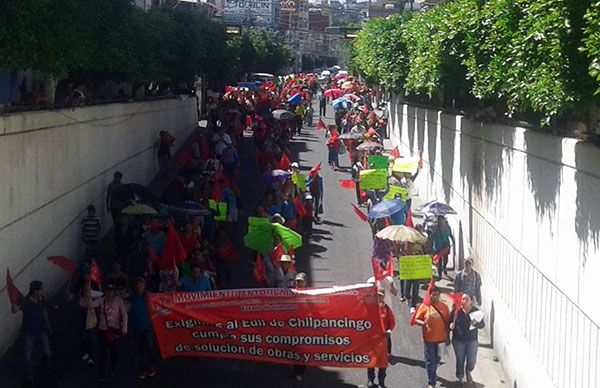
(220, 207)
(373, 179)
(260, 234)
(396, 190)
(409, 165)
(338, 327)
(378, 162)
(415, 267)
(299, 180)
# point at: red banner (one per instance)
(338, 326)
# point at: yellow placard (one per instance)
(409, 165)
(220, 207)
(373, 179)
(299, 180)
(415, 267)
(396, 190)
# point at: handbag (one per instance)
(112, 335)
(91, 319)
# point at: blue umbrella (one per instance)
(336, 103)
(190, 208)
(386, 208)
(276, 175)
(437, 208)
(295, 99)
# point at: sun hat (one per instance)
(286, 259)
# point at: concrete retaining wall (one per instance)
(55, 163)
(529, 213)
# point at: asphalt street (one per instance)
(338, 254)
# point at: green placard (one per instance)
(373, 179)
(415, 267)
(378, 161)
(299, 180)
(220, 207)
(396, 190)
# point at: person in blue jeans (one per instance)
(35, 328)
(464, 339)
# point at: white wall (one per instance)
(55, 163)
(529, 213)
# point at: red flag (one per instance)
(347, 184)
(173, 251)
(95, 272)
(14, 294)
(409, 221)
(440, 254)
(300, 209)
(284, 162)
(359, 213)
(184, 157)
(320, 124)
(395, 152)
(315, 169)
(217, 192)
(291, 254)
(378, 272)
(63, 263)
(277, 253)
(426, 302)
(259, 274)
(456, 298)
(248, 120)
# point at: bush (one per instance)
(523, 53)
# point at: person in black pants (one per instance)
(322, 106)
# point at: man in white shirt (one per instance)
(221, 140)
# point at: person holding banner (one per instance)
(301, 281)
(142, 329)
(388, 321)
(434, 319)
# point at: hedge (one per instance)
(532, 55)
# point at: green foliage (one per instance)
(260, 50)
(523, 53)
(111, 39)
(591, 42)
(379, 53)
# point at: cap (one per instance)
(278, 218)
(301, 276)
(286, 259)
(295, 165)
(309, 197)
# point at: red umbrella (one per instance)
(333, 93)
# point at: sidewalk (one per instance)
(489, 372)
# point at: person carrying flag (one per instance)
(389, 322)
(434, 319)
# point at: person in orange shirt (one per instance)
(434, 319)
(389, 322)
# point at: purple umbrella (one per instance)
(276, 176)
(437, 208)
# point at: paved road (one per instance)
(338, 254)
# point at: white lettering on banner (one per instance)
(256, 12)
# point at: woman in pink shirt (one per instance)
(112, 327)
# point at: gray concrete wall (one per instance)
(529, 214)
(55, 163)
